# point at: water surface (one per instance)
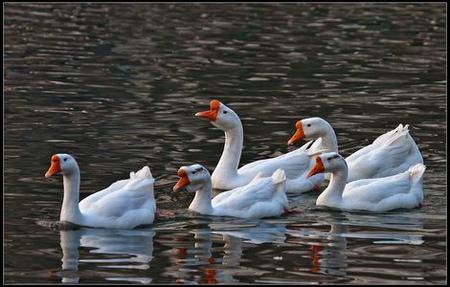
(117, 85)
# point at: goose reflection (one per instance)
(133, 250)
(232, 251)
(262, 232)
(327, 250)
(238, 239)
(328, 253)
(401, 228)
(190, 258)
(198, 261)
(330, 256)
(392, 229)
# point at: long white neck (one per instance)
(70, 210)
(231, 155)
(202, 200)
(329, 140)
(333, 193)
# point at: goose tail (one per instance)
(416, 173)
(278, 176)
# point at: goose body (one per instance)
(389, 154)
(227, 176)
(402, 190)
(124, 204)
(262, 197)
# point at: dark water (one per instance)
(117, 85)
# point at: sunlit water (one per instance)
(117, 85)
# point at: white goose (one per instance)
(226, 175)
(262, 197)
(389, 154)
(403, 190)
(126, 203)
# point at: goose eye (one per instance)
(308, 125)
(65, 159)
(225, 112)
(329, 158)
(193, 172)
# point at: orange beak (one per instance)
(317, 168)
(55, 166)
(211, 114)
(299, 134)
(182, 182)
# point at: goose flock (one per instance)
(385, 175)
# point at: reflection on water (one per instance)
(330, 258)
(257, 233)
(117, 85)
(198, 256)
(125, 249)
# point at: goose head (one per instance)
(309, 129)
(192, 177)
(62, 163)
(328, 162)
(220, 116)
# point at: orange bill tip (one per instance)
(317, 168)
(182, 182)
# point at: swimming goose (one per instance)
(124, 204)
(389, 154)
(262, 197)
(226, 175)
(403, 190)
